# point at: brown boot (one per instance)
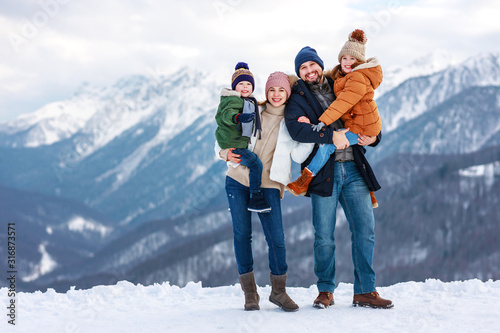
(372, 300)
(279, 296)
(300, 186)
(374, 200)
(324, 300)
(249, 287)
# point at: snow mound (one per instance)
(430, 306)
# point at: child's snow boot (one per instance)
(300, 186)
(257, 203)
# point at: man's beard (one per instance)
(317, 81)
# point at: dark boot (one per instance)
(372, 300)
(249, 287)
(257, 203)
(324, 300)
(279, 296)
(300, 186)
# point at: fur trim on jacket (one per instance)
(354, 104)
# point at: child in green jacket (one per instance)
(238, 119)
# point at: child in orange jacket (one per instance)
(356, 79)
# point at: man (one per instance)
(346, 178)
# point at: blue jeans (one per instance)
(272, 225)
(252, 161)
(352, 192)
(325, 150)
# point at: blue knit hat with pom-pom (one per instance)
(242, 73)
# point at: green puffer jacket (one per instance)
(228, 132)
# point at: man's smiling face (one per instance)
(311, 72)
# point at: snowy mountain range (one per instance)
(122, 152)
(137, 157)
(418, 95)
(424, 66)
(52, 231)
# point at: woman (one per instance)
(273, 147)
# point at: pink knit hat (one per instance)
(279, 79)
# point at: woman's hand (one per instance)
(365, 140)
(304, 119)
(232, 156)
(340, 140)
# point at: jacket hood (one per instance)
(372, 70)
(293, 79)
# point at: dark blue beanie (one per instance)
(307, 54)
(242, 73)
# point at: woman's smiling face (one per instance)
(277, 96)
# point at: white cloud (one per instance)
(101, 41)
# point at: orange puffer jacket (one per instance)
(354, 103)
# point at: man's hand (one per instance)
(232, 156)
(365, 140)
(340, 140)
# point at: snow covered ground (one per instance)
(430, 306)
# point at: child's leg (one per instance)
(324, 152)
(352, 138)
(257, 202)
(252, 161)
(321, 157)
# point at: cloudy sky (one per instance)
(50, 47)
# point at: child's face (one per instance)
(244, 88)
(276, 96)
(346, 63)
